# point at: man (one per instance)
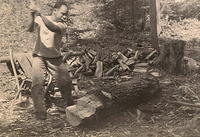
(47, 57)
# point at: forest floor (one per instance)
(167, 120)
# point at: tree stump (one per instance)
(108, 94)
(171, 58)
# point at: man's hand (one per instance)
(34, 12)
(34, 8)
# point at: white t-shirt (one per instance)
(48, 43)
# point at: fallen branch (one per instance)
(183, 103)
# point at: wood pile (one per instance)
(118, 79)
(105, 63)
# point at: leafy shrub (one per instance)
(181, 10)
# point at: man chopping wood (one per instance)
(47, 56)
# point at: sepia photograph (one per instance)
(99, 68)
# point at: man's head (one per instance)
(60, 11)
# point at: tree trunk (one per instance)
(133, 14)
(171, 56)
(140, 89)
(154, 21)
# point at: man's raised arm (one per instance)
(50, 25)
(31, 25)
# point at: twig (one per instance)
(55, 131)
(183, 103)
(195, 95)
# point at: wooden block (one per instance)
(122, 57)
(140, 70)
(141, 65)
(150, 55)
(109, 72)
(123, 65)
(76, 114)
(84, 109)
(99, 69)
(130, 61)
(90, 101)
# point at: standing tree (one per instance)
(155, 26)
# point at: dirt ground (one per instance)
(164, 119)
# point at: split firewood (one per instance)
(75, 84)
(141, 65)
(87, 61)
(109, 72)
(151, 55)
(67, 55)
(99, 69)
(123, 65)
(122, 57)
(140, 70)
(91, 53)
(136, 55)
(129, 52)
(107, 78)
(79, 69)
(130, 61)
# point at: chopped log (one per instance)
(136, 55)
(87, 61)
(122, 61)
(67, 55)
(79, 69)
(122, 57)
(99, 69)
(150, 55)
(140, 70)
(123, 65)
(109, 72)
(130, 61)
(141, 65)
(109, 94)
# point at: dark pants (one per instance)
(61, 78)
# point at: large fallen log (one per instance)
(108, 94)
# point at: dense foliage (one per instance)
(181, 10)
